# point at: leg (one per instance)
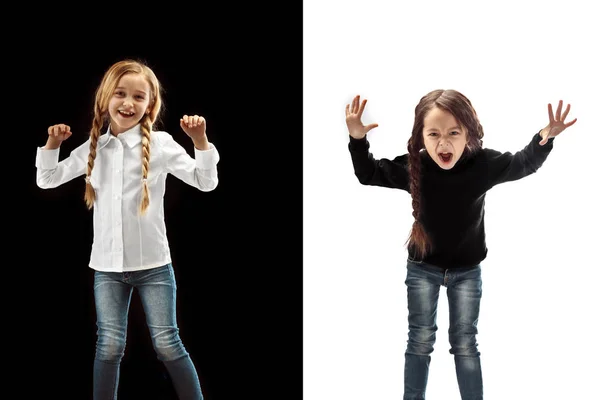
(112, 298)
(464, 297)
(423, 287)
(157, 289)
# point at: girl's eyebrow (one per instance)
(123, 88)
(451, 129)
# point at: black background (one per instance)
(237, 251)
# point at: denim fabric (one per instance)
(157, 290)
(464, 289)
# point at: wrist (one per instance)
(201, 143)
(52, 144)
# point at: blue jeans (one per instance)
(464, 290)
(157, 290)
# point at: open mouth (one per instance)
(126, 114)
(446, 158)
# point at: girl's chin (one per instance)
(445, 165)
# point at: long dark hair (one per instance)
(461, 108)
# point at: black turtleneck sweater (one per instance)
(452, 201)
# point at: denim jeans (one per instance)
(157, 290)
(464, 290)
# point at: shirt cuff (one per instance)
(358, 144)
(549, 144)
(206, 159)
(46, 158)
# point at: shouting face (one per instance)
(445, 139)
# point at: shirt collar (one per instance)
(130, 137)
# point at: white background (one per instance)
(539, 314)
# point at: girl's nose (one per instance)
(443, 142)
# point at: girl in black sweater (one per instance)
(447, 173)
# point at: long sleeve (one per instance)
(52, 173)
(378, 172)
(505, 167)
(199, 171)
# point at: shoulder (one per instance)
(492, 159)
(162, 138)
(403, 158)
(484, 154)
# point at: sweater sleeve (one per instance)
(378, 172)
(506, 167)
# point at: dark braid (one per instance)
(418, 239)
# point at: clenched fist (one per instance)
(56, 134)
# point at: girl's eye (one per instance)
(455, 133)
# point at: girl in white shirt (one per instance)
(125, 164)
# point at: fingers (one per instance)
(356, 107)
(558, 110)
(59, 130)
(560, 116)
(192, 121)
(570, 123)
(564, 115)
(361, 108)
(371, 126)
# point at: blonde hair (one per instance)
(104, 92)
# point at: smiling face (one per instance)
(129, 102)
(444, 138)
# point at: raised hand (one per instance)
(194, 126)
(56, 134)
(557, 123)
(60, 132)
(354, 112)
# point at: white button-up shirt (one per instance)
(124, 240)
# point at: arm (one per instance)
(368, 170)
(52, 173)
(507, 167)
(374, 172)
(199, 171)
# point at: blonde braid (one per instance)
(145, 128)
(90, 194)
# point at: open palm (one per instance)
(354, 112)
(557, 122)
